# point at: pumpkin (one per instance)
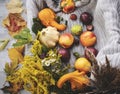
(49, 36)
(48, 18)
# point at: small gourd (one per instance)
(48, 18)
(78, 80)
(49, 36)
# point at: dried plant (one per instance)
(106, 78)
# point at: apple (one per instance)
(88, 38)
(68, 9)
(66, 40)
(65, 54)
(67, 6)
(92, 50)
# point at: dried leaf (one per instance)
(14, 88)
(3, 44)
(7, 68)
(15, 55)
(14, 6)
(11, 68)
(20, 49)
(14, 23)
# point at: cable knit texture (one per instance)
(107, 10)
(106, 21)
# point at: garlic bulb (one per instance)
(49, 36)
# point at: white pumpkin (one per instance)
(49, 36)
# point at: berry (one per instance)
(73, 17)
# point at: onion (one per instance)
(65, 54)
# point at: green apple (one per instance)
(76, 29)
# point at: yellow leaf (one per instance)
(15, 55)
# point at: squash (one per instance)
(49, 36)
(77, 79)
(48, 18)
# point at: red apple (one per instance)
(67, 6)
(68, 9)
(88, 38)
(66, 40)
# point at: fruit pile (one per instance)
(76, 36)
(86, 38)
(51, 37)
(78, 78)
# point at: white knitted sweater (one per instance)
(106, 22)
